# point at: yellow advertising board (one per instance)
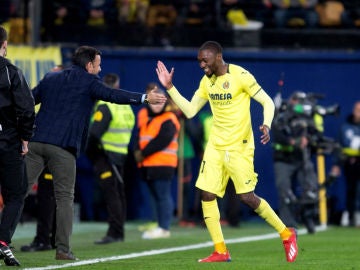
(34, 62)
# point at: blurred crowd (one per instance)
(167, 23)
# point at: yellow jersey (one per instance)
(229, 96)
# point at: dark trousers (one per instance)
(285, 175)
(46, 207)
(352, 174)
(113, 191)
(13, 188)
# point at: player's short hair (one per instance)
(85, 54)
(3, 35)
(111, 80)
(213, 46)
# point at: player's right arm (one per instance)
(189, 108)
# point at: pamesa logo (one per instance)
(222, 96)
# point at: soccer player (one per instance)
(230, 149)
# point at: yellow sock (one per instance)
(266, 212)
(285, 234)
(212, 220)
(220, 247)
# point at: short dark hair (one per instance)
(212, 46)
(111, 79)
(84, 55)
(3, 35)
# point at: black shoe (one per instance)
(7, 255)
(35, 246)
(108, 240)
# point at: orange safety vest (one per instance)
(148, 131)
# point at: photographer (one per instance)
(293, 132)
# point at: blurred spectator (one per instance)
(156, 155)
(225, 7)
(59, 16)
(330, 12)
(160, 21)
(350, 160)
(351, 15)
(249, 9)
(294, 13)
(132, 11)
(5, 11)
(100, 12)
(195, 12)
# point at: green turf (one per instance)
(335, 248)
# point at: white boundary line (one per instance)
(168, 250)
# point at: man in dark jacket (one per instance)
(16, 128)
(67, 99)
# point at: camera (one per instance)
(303, 115)
(306, 103)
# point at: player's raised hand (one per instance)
(265, 137)
(165, 77)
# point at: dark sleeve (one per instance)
(162, 140)
(280, 136)
(100, 126)
(99, 91)
(136, 145)
(24, 104)
(281, 131)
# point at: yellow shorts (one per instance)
(218, 166)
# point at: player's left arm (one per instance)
(268, 111)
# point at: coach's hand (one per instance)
(154, 97)
(265, 138)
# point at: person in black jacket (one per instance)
(67, 99)
(17, 114)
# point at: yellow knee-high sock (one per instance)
(212, 220)
(266, 212)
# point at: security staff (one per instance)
(17, 115)
(293, 165)
(156, 154)
(109, 137)
(350, 160)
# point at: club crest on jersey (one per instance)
(226, 85)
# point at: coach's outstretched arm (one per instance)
(190, 109)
